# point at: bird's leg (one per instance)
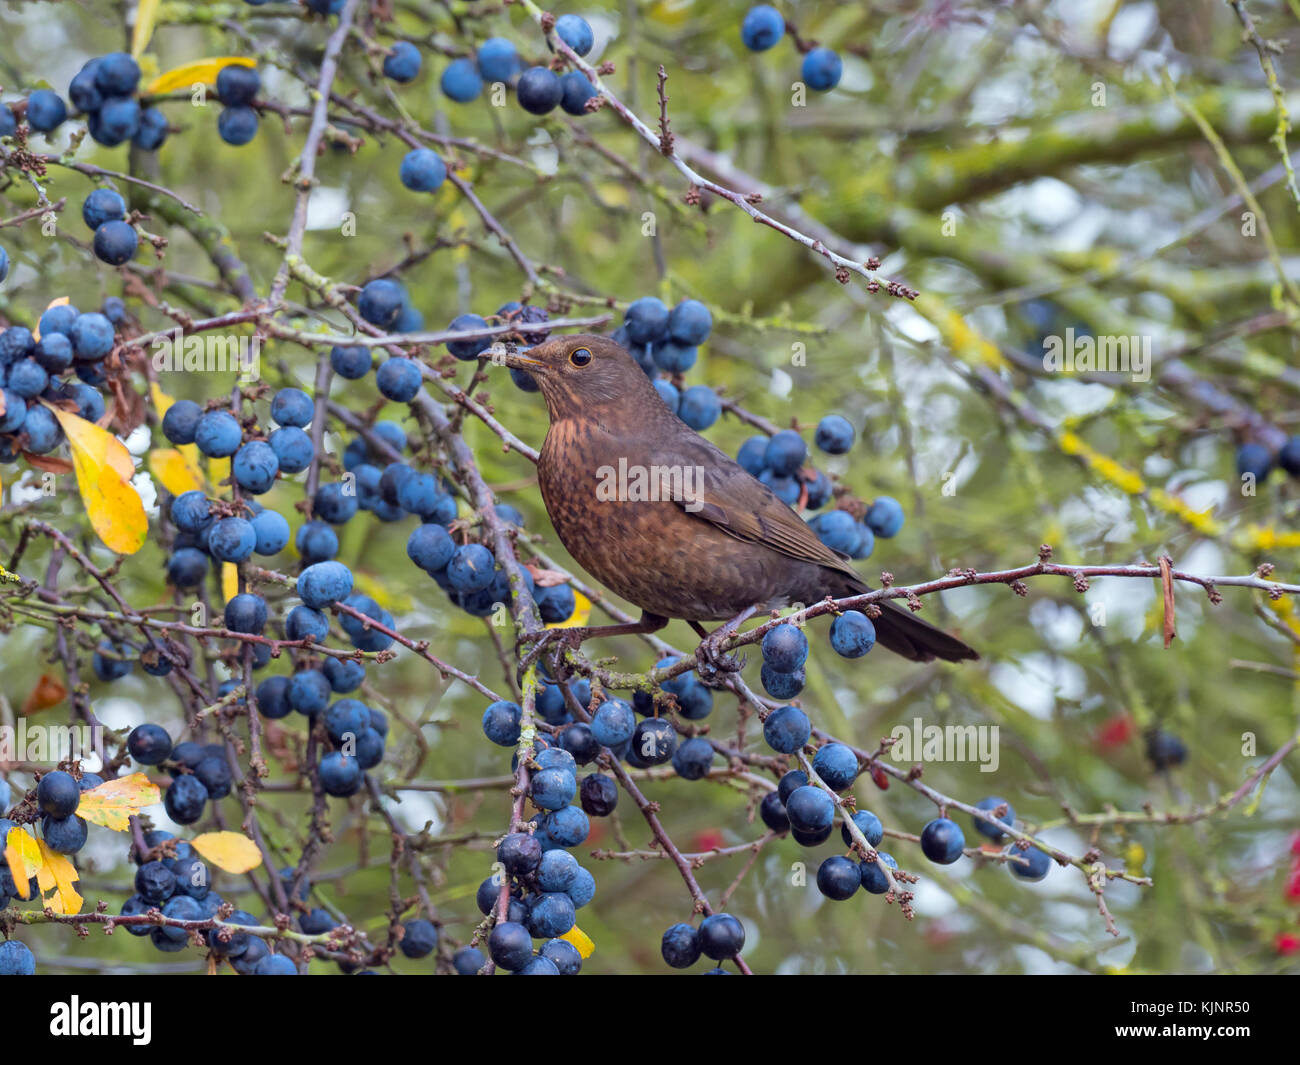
(576, 636)
(710, 651)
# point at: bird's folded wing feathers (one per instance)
(725, 496)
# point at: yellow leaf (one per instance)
(98, 444)
(459, 220)
(114, 801)
(670, 12)
(101, 445)
(56, 877)
(145, 14)
(61, 301)
(229, 581)
(174, 470)
(161, 400)
(231, 851)
(24, 858)
(116, 512)
(580, 616)
(201, 70)
(581, 940)
(104, 471)
(192, 456)
(614, 193)
(218, 471)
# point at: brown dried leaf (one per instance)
(1167, 579)
(49, 691)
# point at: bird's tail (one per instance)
(905, 634)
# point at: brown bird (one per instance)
(668, 521)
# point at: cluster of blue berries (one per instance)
(177, 884)
(16, 959)
(779, 461)
(473, 579)
(564, 806)
(199, 771)
(720, 936)
(764, 26)
(178, 881)
(667, 341)
(385, 303)
(65, 367)
(546, 886)
(942, 840)
(539, 90)
(857, 537)
(801, 808)
(469, 572)
(233, 533)
(104, 90)
(115, 241)
(785, 650)
(358, 732)
(614, 727)
(209, 530)
(1259, 461)
(237, 87)
(807, 812)
(57, 796)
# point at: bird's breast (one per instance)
(618, 509)
(624, 512)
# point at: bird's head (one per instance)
(580, 373)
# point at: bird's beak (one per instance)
(520, 362)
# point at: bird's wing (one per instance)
(726, 495)
(740, 505)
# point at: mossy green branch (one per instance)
(944, 175)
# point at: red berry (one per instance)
(708, 839)
(1287, 943)
(1116, 732)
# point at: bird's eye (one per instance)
(580, 357)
